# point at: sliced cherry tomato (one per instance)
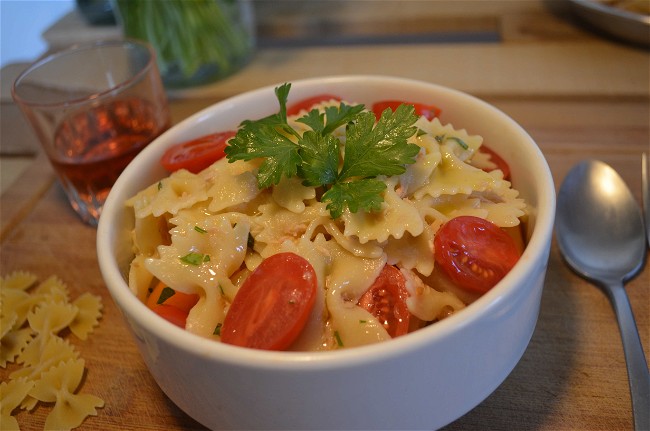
(272, 306)
(497, 160)
(386, 300)
(475, 253)
(197, 154)
(428, 111)
(172, 314)
(305, 104)
(162, 294)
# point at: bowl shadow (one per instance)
(532, 392)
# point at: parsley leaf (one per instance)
(362, 194)
(334, 116)
(380, 149)
(321, 154)
(371, 148)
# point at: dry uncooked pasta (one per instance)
(48, 369)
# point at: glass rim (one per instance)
(80, 47)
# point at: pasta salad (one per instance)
(326, 225)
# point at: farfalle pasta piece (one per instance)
(291, 194)
(59, 385)
(412, 252)
(208, 312)
(149, 233)
(275, 224)
(370, 249)
(454, 176)
(13, 344)
(231, 184)
(31, 315)
(54, 350)
(419, 173)
(182, 189)
(426, 303)
(349, 278)
(89, 310)
(52, 317)
(53, 289)
(396, 217)
(18, 280)
(12, 393)
(463, 144)
(221, 240)
(18, 303)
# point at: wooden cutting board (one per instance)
(571, 377)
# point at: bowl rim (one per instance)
(132, 308)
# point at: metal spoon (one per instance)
(599, 228)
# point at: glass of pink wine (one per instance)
(93, 108)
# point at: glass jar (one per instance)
(196, 41)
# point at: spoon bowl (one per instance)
(600, 233)
(599, 224)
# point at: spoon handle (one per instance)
(637, 367)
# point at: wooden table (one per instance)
(579, 94)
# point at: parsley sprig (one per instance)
(372, 148)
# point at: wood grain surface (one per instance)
(553, 82)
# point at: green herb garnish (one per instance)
(166, 293)
(372, 148)
(195, 259)
(217, 329)
(339, 342)
(440, 139)
(200, 229)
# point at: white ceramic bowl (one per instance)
(424, 380)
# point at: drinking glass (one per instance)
(93, 108)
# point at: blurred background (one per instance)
(22, 24)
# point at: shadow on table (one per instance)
(531, 393)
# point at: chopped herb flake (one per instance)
(217, 329)
(200, 230)
(459, 142)
(339, 342)
(195, 259)
(442, 138)
(166, 293)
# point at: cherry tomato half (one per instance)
(305, 104)
(497, 160)
(428, 111)
(386, 300)
(475, 253)
(272, 306)
(197, 154)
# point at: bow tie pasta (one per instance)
(201, 236)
